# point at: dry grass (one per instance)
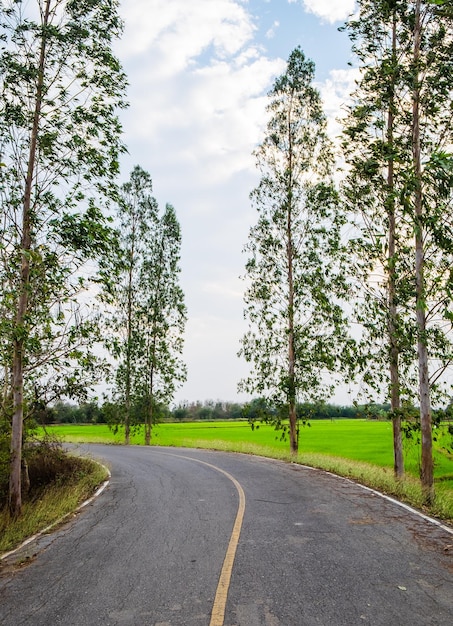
(51, 504)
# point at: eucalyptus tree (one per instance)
(291, 301)
(161, 317)
(377, 151)
(398, 134)
(429, 203)
(149, 314)
(137, 224)
(61, 88)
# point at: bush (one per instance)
(46, 464)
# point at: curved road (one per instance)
(296, 547)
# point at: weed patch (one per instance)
(59, 482)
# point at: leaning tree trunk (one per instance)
(17, 382)
(427, 478)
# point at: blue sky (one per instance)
(199, 71)
(286, 25)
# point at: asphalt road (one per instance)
(312, 549)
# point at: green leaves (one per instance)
(294, 251)
(382, 183)
(60, 90)
(150, 313)
(444, 7)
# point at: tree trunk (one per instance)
(15, 491)
(427, 479)
(127, 417)
(148, 423)
(293, 438)
(291, 393)
(398, 462)
(149, 412)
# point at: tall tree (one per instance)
(400, 180)
(428, 200)
(149, 311)
(375, 150)
(61, 86)
(162, 318)
(138, 219)
(296, 322)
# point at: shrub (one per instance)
(48, 463)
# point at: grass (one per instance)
(50, 505)
(358, 449)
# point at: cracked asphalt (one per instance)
(313, 550)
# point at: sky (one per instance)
(199, 72)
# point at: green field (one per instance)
(356, 440)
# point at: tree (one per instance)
(377, 154)
(296, 321)
(161, 316)
(400, 182)
(149, 311)
(138, 219)
(59, 143)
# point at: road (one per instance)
(303, 548)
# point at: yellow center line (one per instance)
(218, 608)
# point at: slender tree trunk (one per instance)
(6, 394)
(294, 440)
(152, 361)
(127, 417)
(427, 479)
(149, 422)
(15, 490)
(395, 400)
(149, 412)
(127, 398)
(293, 436)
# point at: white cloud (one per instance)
(229, 289)
(177, 31)
(197, 80)
(271, 32)
(329, 10)
(212, 342)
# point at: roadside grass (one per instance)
(50, 504)
(360, 450)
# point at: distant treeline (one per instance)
(256, 410)
(259, 409)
